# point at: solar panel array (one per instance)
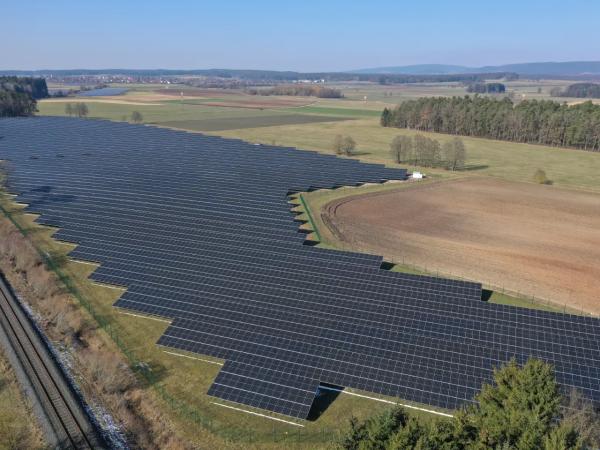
(103, 92)
(199, 230)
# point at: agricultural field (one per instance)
(512, 236)
(393, 94)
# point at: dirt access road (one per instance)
(535, 239)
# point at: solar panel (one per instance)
(200, 230)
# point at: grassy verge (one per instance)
(18, 425)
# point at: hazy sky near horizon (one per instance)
(304, 36)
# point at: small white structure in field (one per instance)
(417, 176)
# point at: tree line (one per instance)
(442, 78)
(417, 151)
(486, 88)
(530, 121)
(18, 95)
(302, 90)
(35, 87)
(524, 409)
(578, 90)
(77, 109)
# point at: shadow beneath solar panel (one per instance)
(46, 189)
(326, 395)
(385, 265)
(49, 199)
(486, 294)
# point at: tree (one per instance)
(401, 148)
(540, 177)
(81, 110)
(521, 410)
(419, 145)
(338, 144)
(386, 117)
(136, 117)
(430, 153)
(375, 432)
(486, 88)
(17, 96)
(582, 414)
(348, 145)
(69, 109)
(455, 154)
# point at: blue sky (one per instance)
(300, 35)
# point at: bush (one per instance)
(338, 142)
(136, 117)
(343, 145)
(540, 177)
(348, 145)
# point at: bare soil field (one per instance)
(176, 91)
(261, 102)
(113, 100)
(533, 239)
(236, 98)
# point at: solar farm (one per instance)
(199, 230)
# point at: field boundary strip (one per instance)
(310, 218)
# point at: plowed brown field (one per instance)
(533, 239)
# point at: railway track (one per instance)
(66, 415)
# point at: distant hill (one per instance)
(572, 68)
(418, 69)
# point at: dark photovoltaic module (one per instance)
(199, 230)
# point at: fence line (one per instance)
(532, 298)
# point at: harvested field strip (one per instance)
(246, 122)
(336, 111)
